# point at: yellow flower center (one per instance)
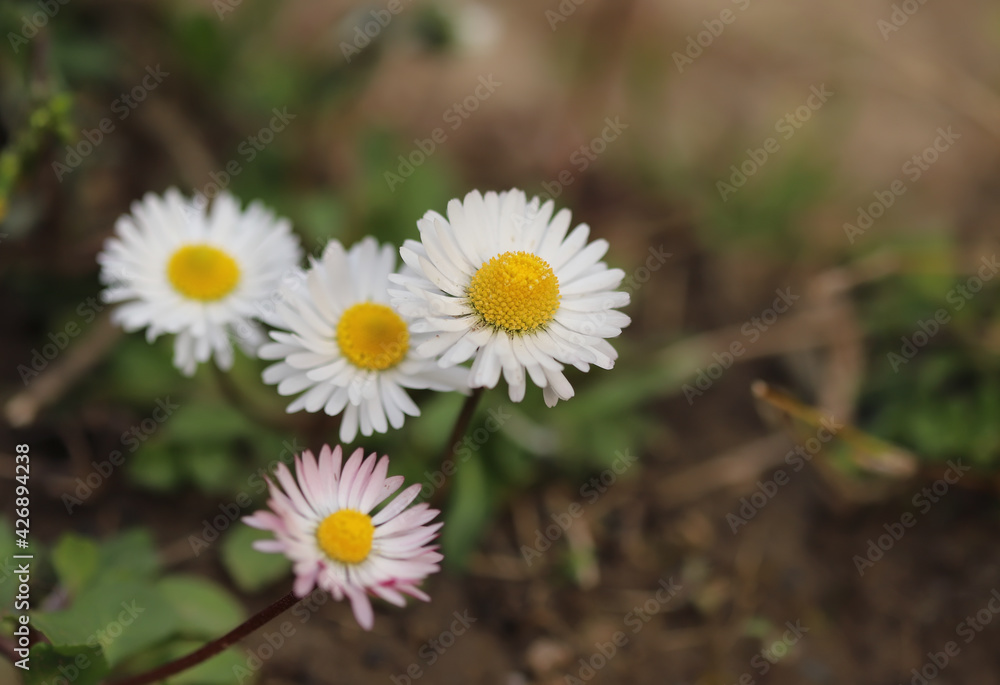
(346, 536)
(203, 272)
(372, 336)
(515, 291)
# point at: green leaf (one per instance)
(252, 570)
(77, 664)
(207, 50)
(211, 467)
(124, 617)
(468, 512)
(131, 553)
(204, 609)
(227, 668)
(139, 371)
(75, 559)
(207, 422)
(156, 468)
(320, 217)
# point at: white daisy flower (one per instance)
(179, 267)
(323, 521)
(500, 279)
(345, 349)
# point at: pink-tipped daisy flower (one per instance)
(324, 520)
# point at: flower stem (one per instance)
(461, 425)
(462, 422)
(239, 399)
(216, 646)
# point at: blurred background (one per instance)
(789, 477)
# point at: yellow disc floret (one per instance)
(515, 291)
(203, 272)
(346, 536)
(372, 336)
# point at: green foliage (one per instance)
(208, 53)
(765, 213)
(131, 553)
(434, 28)
(219, 670)
(51, 663)
(76, 560)
(204, 610)
(468, 512)
(318, 217)
(139, 372)
(949, 411)
(391, 213)
(48, 121)
(123, 615)
(935, 394)
(207, 443)
(252, 570)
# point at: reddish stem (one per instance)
(212, 648)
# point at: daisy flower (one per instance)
(323, 521)
(345, 349)
(500, 279)
(178, 267)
